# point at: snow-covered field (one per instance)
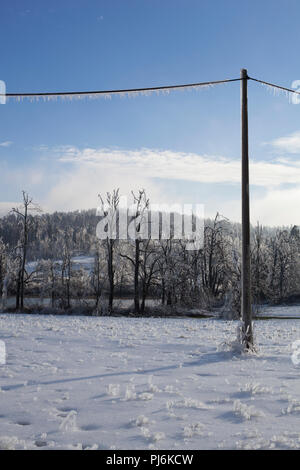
(125, 383)
(290, 311)
(85, 262)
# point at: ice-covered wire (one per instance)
(274, 86)
(107, 94)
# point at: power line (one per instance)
(109, 93)
(274, 86)
(94, 94)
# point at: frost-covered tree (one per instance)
(283, 261)
(24, 217)
(149, 269)
(66, 270)
(97, 276)
(215, 262)
(3, 271)
(48, 272)
(108, 211)
(138, 221)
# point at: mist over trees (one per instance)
(139, 268)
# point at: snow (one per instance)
(290, 311)
(139, 383)
(85, 262)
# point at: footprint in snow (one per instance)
(90, 427)
(23, 423)
(40, 443)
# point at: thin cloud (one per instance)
(288, 144)
(6, 143)
(77, 176)
(168, 164)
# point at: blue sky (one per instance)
(183, 147)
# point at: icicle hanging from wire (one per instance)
(165, 90)
(277, 90)
(108, 94)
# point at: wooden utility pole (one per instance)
(246, 276)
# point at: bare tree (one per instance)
(259, 268)
(3, 272)
(109, 212)
(24, 213)
(66, 270)
(214, 270)
(283, 253)
(48, 273)
(149, 268)
(139, 219)
(97, 281)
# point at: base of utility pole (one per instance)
(247, 333)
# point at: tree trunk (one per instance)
(110, 276)
(136, 277)
(18, 292)
(163, 294)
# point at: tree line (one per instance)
(37, 259)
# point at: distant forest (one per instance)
(206, 278)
